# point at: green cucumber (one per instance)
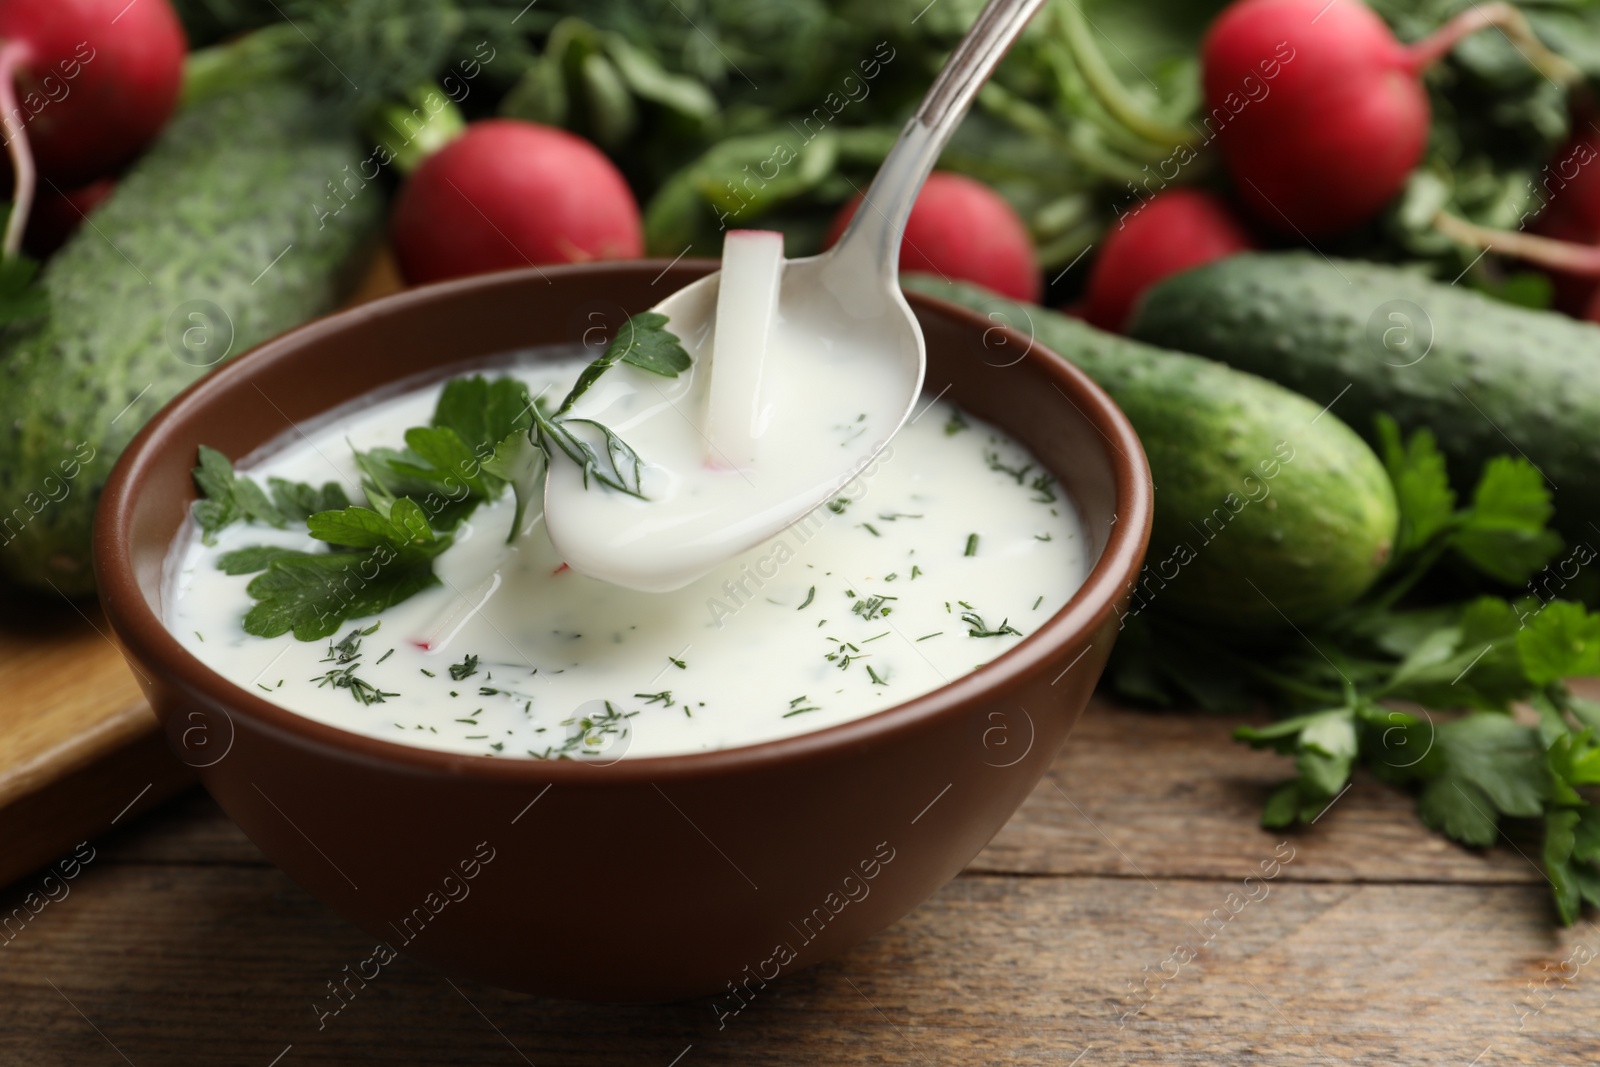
(1268, 511)
(227, 232)
(1486, 377)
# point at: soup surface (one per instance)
(945, 552)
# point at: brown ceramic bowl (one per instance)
(648, 879)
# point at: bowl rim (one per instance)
(148, 641)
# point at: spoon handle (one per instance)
(880, 222)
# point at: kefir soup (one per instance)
(388, 572)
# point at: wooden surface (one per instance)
(1376, 944)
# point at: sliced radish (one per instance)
(747, 309)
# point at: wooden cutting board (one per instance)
(80, 750)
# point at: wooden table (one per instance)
(1376, 943)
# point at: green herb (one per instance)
(348, 649)
(363, 692)
(916, 572)
(228, 497)
(810, 596)
(663, 698)
(874, 676)
(678, 663)
(377, 562)
(1019, 473)
(873, 607)
(976, 627)
(460, 672)
(871, 529)
(1043, 486)
(796, 708)
(936, 633)
(841, 656)
(1036, 603)
(955, 423)
(838, 504)
(972, 545)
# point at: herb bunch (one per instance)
(485, 436)
(1463, 699)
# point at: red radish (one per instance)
(1175, 230)
(509, 194)
(1320, 112)
(84, 85)
(57, 215)
(963, 230)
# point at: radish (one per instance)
(1173, 231)
(84, 85)
(509, 194)
(58, 214)
(965, 231)
(747, 306)
(1320, 111)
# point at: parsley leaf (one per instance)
(228, 498)
(297, 500)
(313, 594)
(1421, 485)
(643, 341)
(1563, 640)
(1503, 534)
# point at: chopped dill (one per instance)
(873, 607)
(1019, 473)
(936, 633)
(874, 676)
(979, 628)
(664, 697)
(795, 707)
(972, 545)
(363, 691)
(871, 529)
(810, 596)
(460, 672)
(1044, 486)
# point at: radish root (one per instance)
(1511, 22)
(1563, 256)
(12, 55)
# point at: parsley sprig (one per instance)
(1461, 698)
(485, 436)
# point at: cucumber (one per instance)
(223, 235)
(1265, 512)
(1486, 377)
